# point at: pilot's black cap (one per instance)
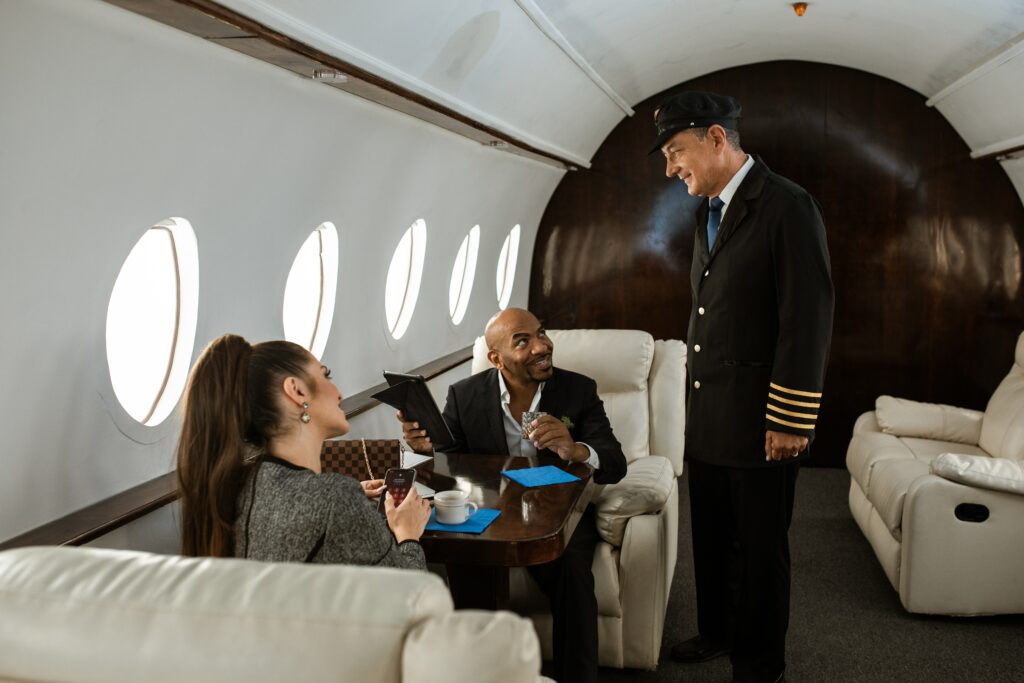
(693, 109)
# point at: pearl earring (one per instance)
(305, 413)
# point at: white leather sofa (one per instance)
(939, 493)
(82, 615)
(641, 382)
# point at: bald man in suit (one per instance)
(484, 413)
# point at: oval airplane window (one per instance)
(404, 274)
(462, 275)
(151, 321)
(506, 274)
(310, 291)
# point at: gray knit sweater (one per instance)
(287, 513)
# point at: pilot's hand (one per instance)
(372, 487)
(551, 433)
(408, 519)
(782, 445)
(414, 436)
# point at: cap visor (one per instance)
(662, 139)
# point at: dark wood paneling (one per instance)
(184, 16)
(103, 517)
(926, 243)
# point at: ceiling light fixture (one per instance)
(799, 8)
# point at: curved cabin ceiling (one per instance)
(560, 74)
(642, 48)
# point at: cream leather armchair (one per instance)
(641, 382)
(83, 615)
(939, 493)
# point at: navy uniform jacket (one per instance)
(474, 416)
(761, 322)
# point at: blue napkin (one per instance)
(540, 476)
(478, 521)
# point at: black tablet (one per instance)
(393, 378)
(409, 393)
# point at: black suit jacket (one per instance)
(760, 324)
(473, 413)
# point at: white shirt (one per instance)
(730, 189)
(517, 445)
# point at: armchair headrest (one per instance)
(618, 360)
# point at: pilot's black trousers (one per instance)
(568, 582)
(740, 520)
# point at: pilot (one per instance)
(758, 339)
(484, 413)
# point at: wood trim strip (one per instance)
(363, 401)
(89, 523)
(218, 24)
(100, 518)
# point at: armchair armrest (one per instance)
(951, 566)
(903, 417)
(644, 489)
(998, 474)
(472, 645)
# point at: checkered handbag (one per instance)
(361, 458)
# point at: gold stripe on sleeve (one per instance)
(789, 424)
(803, 416)
(793, 403)
(797, 392)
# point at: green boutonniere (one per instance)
(567, 422)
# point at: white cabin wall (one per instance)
(111, 123)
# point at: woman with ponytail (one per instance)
(249, 466)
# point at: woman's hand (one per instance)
(372, 487)
(408, 520)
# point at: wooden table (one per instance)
(534, 526)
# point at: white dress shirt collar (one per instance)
(517, 445)
(729, 192)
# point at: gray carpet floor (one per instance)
(846, 621)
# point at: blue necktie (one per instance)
(714, 220)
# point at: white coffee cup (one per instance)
(452, 507)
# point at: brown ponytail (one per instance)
(232, 407)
